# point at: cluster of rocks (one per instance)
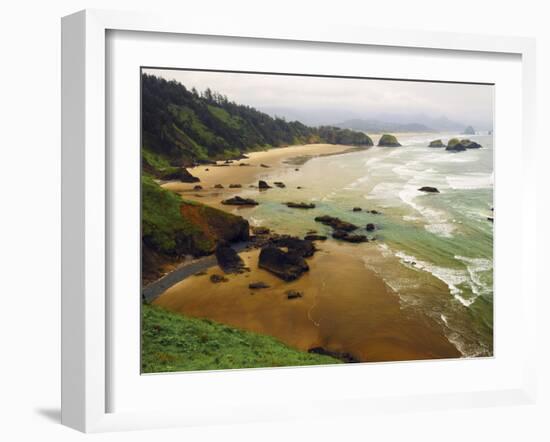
(455, 145)
(342, 229)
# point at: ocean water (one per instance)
(435, 251)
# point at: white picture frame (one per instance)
(85, 202)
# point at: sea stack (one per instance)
(469, 131)
(388, 140)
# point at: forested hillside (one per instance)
(182, 127)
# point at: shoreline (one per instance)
(249, 170)
(389, 332)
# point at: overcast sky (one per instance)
(315, 100)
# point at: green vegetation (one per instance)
(436, 143)
(172, 226)
(453, 142)
(173, 342)
(182, 127)
(388, 140)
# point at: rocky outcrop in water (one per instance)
(370, 227)
(436, 143)
(388, 140)
(456, 145)
(345, 236)
(239, 201)
(300, 205)
(336, 223)
(429, 189)
(469, 131)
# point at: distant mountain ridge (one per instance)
(372, 125)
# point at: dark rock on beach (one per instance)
(357, 209)
(346, 357)
(375, 212)
(336, 223)
(345, 236)
(182, 175)
(286, 265)
(235, 186)
(239, 201)
(263, 185)
(258, 285)
(429, 189)
(218, 186)
(370, 227)
(293, 294)
(218, 278)
(280, 184)
(264, 165)
(302, 247)
(313, 237)
(228, 259)
(260, 230)
(300, 205)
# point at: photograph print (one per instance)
(297, 220)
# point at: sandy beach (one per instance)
(248, 171)
(345, 306)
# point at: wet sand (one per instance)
(345, 308)
(233, 173)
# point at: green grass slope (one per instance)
(173, 342)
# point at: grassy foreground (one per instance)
(173, 342)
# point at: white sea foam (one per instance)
(437, 220)
(470, 181)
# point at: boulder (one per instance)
(336, 223)
(239, 201)
(182, 174)
(244, 164)
(259, 230)
(263, 185)
(357, 209)
(345, 236)
(436, 143)
(454, 145)
(375, 212)
(279, 184)
(235, 186)
(469, 144)
(285, 265)
(264, 165)
(228, 259)
(388, 140)
(218, 186)
(258, 285)
(314, 237)
(197, 187)
(370, 227)
(429, 189)
(293, 294)
(300, 205)
(218, 278)
(302, 247)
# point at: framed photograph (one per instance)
(286, 223)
